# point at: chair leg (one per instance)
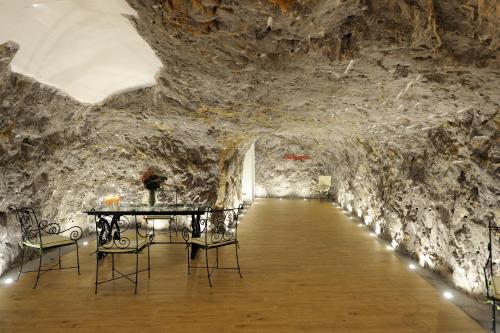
(22, 262)
(136, 269)
(112, 265)
(176, 227)
(170, 230)
(96, 270)
(149, 264)
(208, 270)
(493, 317)
(238, 260)
(39, 267)
(59, 250)
(189, 258)
(77, 258)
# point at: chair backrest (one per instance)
(30, 226)
(218, 225)
(489, 268)
(325, 181)
(488, 277)
(167, 196)
(120, 232)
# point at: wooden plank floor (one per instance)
(306, 269)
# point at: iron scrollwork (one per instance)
(198, 227)
(217, 226)
(167, 197)
(53, 228)
(32, 228)
(224, 225)
(30, 232)
(149, 232)
(110, 233)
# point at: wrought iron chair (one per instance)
(118, 235)
(41, 235)
(217, 229)
(322, 188)
(492, 281)
(166, 197)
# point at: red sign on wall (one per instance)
(294, 157)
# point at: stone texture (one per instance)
(397, 100)
(277, 174)
(65, 157)
(430, 192)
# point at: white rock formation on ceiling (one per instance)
(86, 48)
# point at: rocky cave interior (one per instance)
(397, 100)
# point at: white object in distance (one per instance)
(349, 67)
(269, 23)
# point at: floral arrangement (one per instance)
(151, 179)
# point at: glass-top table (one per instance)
(185, 209)
(158, 209)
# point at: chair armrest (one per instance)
(51, 228)
(75, 234)
(55, 229)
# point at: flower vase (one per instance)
(152, 198)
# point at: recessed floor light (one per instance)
(373, 234)
(412, 267)
(389, 247)
(8, 281)
(448, 295)
(85, 243)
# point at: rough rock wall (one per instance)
(465, 30)
(230, 173)
(328, 70)
(278, 174)
(64, 157)
(432, 192)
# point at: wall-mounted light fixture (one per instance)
(448, 295)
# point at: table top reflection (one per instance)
(141, 209)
